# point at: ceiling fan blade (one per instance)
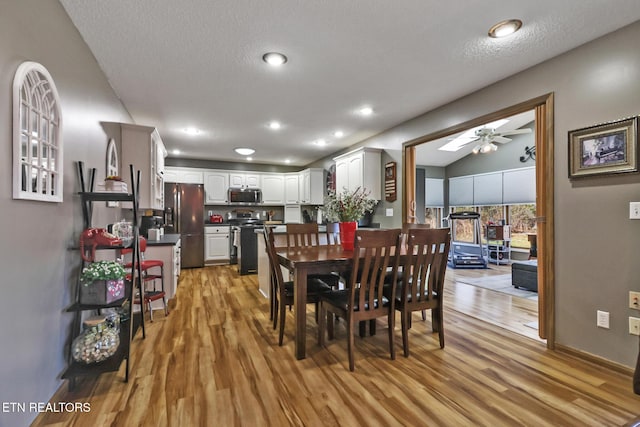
(501, 139)
(513, 132)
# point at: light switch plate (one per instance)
(389, 212)
(603, 319)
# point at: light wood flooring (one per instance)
(214, 361)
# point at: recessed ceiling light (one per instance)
(321, 142)
(192, 131)
(274, 125)
(505, 28)
(249, 158)
(338, 134)
(287, 161)
(366, 111)
(275, 59)
(176, 151)
(245, 151)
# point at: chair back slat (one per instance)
(374, 255)
(424, 270)
(301, 235)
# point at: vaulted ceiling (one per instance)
(198, 63)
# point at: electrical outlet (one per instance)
(603, 319)
(634, 325)
(634, 300)
(634, 210)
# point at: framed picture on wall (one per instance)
(609, 148)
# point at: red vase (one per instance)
(348, 234)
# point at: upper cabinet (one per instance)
(312, 185)
(143, 148)
(183, 175)
(292, 188)
(216, 184)
(272, 185)
(360, 168)
(244, 179)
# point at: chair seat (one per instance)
(314, 287)
(147, 264)
(340, 299)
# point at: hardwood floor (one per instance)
(214, 361)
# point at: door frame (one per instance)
(544, 143)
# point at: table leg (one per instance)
(300, 311)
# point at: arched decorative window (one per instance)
(37, 130)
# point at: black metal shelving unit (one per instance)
(128, 327)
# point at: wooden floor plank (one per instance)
(215, 361)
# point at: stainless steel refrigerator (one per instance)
(184, 215)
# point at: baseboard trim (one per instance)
(597, 360)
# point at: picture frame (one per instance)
(390, 191)
(605, 149)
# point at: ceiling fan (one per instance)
(487, 136)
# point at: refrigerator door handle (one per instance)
(177, 211)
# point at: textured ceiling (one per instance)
(176, 64)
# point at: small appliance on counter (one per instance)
(215, 218)
(150, 222)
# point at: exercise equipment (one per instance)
(463, 254)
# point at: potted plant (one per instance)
(102, 282)
(347, 208)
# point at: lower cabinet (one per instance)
(216, 244)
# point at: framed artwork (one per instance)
(390, 192)
(609, 148)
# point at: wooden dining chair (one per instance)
(364, 299)
(283, 291)
(301, 235)
(423, 275)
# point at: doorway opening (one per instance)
(542, 108)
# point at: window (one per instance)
(433, 217)
(37, 146)
(522, 219)
(464, 229)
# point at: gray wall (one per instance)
(38, 268)
(596, 245)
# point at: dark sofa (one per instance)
(524, 274)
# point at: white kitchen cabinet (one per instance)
(216, 244)
(292, 188)
(244, 179)
(360, 168)
(272, 185)
(183, 175)
(292, 213)
(216, 184)
(312, 186)
(143, 148)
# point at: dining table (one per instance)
(307, 260)
(304, 261)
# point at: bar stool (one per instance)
(147, 276)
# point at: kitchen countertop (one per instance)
(166, 240)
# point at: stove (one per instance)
(243, 249)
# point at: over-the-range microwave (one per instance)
(244, 196)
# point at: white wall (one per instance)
(38, 268)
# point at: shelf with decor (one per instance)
(498, 243)
(104, 289)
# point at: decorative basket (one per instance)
(102, 292)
